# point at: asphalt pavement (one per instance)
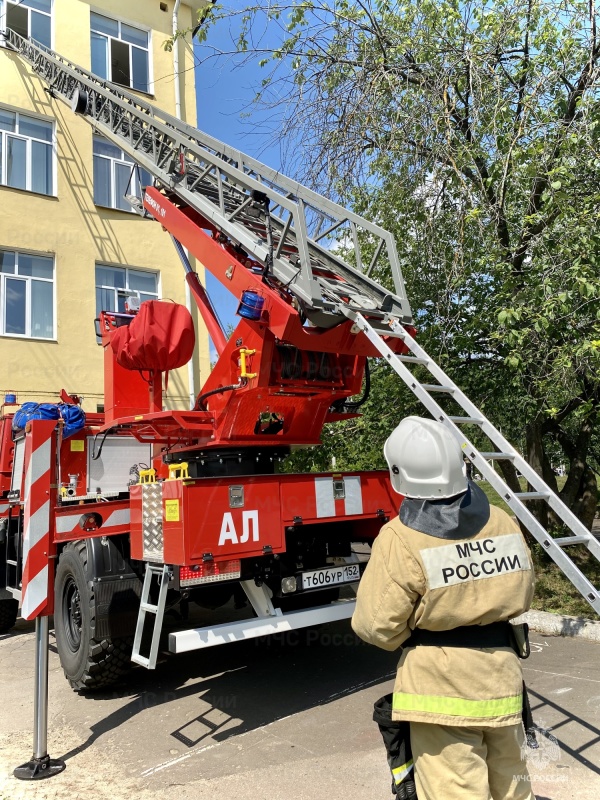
(286, 717)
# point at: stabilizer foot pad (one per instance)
(39, 768)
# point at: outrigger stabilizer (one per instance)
(40, 764)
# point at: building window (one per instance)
(29, 18)
(26, 152)
(116, 175)
(26, 295)
(120, 52)
(115, 284)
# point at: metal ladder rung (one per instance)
(498, 456)
(572, 540)
(142, 661)
(436, 387)
(414, 360)
(149, 608)
(532, 495)
(391, 334)
(12, 563)
(467, 420)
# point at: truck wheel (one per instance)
(88, 662)
(8, 614)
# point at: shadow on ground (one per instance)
(592, 733)
(248, 685)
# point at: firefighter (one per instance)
(444, 578)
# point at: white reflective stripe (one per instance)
(67, 523)
(3, 508)
(36, 528)
(119, 517)
(400, 773)
(36, 592)
(474, 560)
(354, 503)
(324, 497)
(38, 465)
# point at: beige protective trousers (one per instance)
(469, 763)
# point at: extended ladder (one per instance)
(292, 231)
(579, 534)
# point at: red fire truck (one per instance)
(144, 508)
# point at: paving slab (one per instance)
(267, 719)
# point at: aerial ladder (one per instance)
(308, 265)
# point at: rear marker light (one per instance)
(210, 572)
(288, 585)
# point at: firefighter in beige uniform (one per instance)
(449, 573)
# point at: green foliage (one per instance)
(470, 130)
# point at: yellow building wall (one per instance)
(76, 232)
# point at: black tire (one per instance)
(88, 663)
(9, 609)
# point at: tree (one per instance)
(470, 129)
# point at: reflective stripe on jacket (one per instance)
(414, 580)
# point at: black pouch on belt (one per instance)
(396, 738)
(521, 639)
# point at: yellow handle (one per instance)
(147, 476)
(177, 471)
(243, 370)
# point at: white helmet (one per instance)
(425, 460)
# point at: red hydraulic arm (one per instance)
(277, 381)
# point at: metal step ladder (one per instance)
(163, 573)
(292, 231)
(578, 533)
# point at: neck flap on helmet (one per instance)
(459, 517)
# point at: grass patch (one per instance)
(553, 590)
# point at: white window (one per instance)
(116, 175)
(26, 152)
(28, 18)
(115, 284)
(26, 295)
(120, 52)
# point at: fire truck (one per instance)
(145, 509)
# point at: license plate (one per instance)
(331, 576)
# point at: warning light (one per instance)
(210, 572)
(90, 522)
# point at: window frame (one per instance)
(28, 155)
(28, 280)
(3, 15)
(140, 27)
(124, 159)
(125, 291)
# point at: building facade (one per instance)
(69, 243)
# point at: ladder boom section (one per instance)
(296, 234)
(578, 534)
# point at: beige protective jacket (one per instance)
(414, 580)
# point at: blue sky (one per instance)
(223, 95)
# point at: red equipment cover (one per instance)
(161, 337)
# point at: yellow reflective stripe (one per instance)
(456, 706)
(400, 773)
